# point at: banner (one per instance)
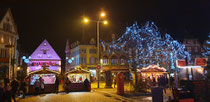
(201, 61)
(180, 63)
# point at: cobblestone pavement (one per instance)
(72, 97)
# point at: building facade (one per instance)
(194, 47)
(83, 55)
(86, 57)
(8, 45)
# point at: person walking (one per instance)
(2, 92)
(15, 86)
(86, 84)
(37, 86)
(114, 81)
(42, 86)
(23, 88)
(67, 84)
(8, 93)
(57, 81)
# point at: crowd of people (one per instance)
(9, 90)
(161, 81)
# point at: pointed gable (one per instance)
(44, 52)
(67, 50)
(7, 22)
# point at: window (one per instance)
(84, 60)
(196, 49)
(92, 51)
(105, 60)
(92, 60)
(114, 60)
(189, 49)
(83, 51)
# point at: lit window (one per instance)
(114, 60)
(39, 55)
(105, 60)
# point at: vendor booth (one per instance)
(77, 79)
(152, 71)
(47, 76)
(191, 73)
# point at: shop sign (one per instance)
(201, 61)
(181, 63)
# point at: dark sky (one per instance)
(59, 20)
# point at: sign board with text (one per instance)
(201, 61)
(181, 63)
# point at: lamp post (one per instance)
(86, 20)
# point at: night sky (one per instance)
(59, 20)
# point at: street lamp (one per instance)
(102, 14)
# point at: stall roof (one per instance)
(152, 68)
(77, 71)
(43, 71)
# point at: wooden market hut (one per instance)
(49, 77)
(77, 78)
(153, 71)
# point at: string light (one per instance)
(152, 48)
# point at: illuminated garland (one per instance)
(153, 49)
(207, 47)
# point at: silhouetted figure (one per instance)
(23, 88)
(1, 92)
(114, 81)
(41, 80)
(6, 81)
(67, 84)
(14, 86)
(8, 93)
(37, 86)
(86, 84)
(57, 84)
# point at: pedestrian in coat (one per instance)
(8, 93)
(86, 84)
(15, 86)
(42, 86)
(23, 88)
(57, 81)
(37, 86)
(114, 81)
(2, 92)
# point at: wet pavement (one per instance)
(72, 97)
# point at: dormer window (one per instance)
(39, 55)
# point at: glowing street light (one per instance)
(105, 22)
(98, 21)
(86, 20)
(103, 14)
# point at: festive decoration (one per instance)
(207, 47)
(150, 47)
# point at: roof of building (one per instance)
(44, 52)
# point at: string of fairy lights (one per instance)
(207, 47)
(151, 47)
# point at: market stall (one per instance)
(152, 72)
(48, 77)
(77, 79)
(191, 72)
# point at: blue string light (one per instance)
(152, 47)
